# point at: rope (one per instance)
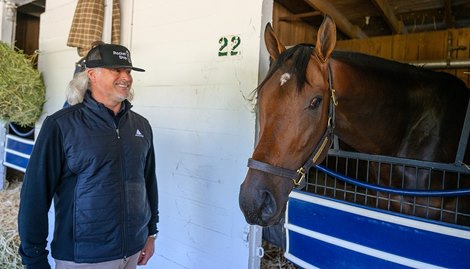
(411, 192)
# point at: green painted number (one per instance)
(231, 49)
(235, 43)
(224, 42)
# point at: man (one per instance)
(96, 159)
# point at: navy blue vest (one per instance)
(111, 210)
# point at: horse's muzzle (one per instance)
(258, 204)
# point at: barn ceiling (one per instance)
(368, 18)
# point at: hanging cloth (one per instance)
(87, 25)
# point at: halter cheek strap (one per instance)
(298, 176)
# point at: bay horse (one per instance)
(374, 105)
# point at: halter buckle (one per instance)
(333, 96)
(300, 171)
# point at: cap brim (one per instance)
(138, 69)
(124, 66)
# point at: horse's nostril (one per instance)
(268, 206)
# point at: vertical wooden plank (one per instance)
(387, 49)
(398, 47)
(344, 45)
(27, 33)
(363, 45)
(461, 38)
(451, 42)
(377, 46)
(411, 44)
(291, 32)
(433, 45)
(349, 45)
(382, 47)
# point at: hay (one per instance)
(22, 90)
(274, 258)
(9, 238)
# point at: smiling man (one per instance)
(95, 160)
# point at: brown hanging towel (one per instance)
(87, 25)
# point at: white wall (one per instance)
(198, 105)
(7, 21)
(7, 35)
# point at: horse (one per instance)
(374, 105)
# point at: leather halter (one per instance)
(298, 176)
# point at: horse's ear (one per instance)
(326, 38)
(274, 46)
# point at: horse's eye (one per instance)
(315, 103)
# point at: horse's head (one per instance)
(293, 111)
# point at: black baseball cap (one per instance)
(110, 56)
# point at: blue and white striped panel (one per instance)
(324, 233)
(17, 152)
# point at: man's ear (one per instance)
(91, 73)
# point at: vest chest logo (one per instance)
(138, 133)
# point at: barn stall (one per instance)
(203, 61)
(430, 34)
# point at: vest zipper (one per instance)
(123, 194)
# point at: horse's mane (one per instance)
(299, 55)
(380, 65)
(401, 73)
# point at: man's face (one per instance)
(110, 85)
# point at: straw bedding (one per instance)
(274, 258)
(9, 239)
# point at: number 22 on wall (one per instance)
(229, 45)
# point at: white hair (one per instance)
(78, 86)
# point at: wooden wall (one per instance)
(426, 46)
(291, 32)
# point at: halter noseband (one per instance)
(298, 176)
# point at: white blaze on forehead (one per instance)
(284, 78)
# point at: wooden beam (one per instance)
(300, 16)
(343, 24)
(387, 12)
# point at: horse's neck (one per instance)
(383, 116)
(368, 119)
